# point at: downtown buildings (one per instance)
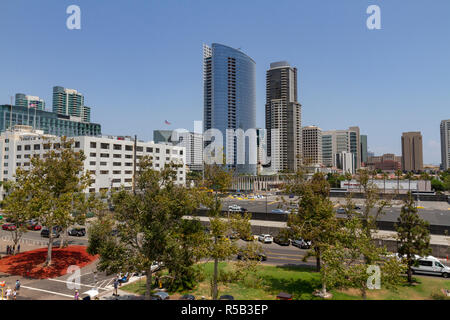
(336, 141)
(26, 101)
(445, 144)
(412, 155)
(229, 79)
(312, 145)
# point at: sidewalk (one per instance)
(122, 295)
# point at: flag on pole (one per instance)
(33, 105)
(166, 122)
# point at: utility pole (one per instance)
(134, 165)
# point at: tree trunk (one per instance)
(317, 250)
(409, 275)
(48, 261)
(148, 284)
(363, 292)
(214, 284)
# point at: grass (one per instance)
(301, 283)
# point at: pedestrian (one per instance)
(7, 250)
(13, 249)
(8, 293)
(14, 294)
(17, 285)
(18, 248)
(116, 285)
(77, 295)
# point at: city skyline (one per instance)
(371, 77)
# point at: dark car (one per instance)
(301, 243)
(77, 232)
(258, 256)
(160, 296)
(226, 297)
(243, 210)
(282, 240)
(46, 234)
(9, 226)
(187, 297)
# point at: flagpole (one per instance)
(10, 115)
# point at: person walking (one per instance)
(8, 293)
(13, 249)
(7, 249)
(14, 294)
(77, 295)
(17, 288)
(18, 248)
(116, 285)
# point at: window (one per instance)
(128, 172)
(92, 154)
(149, 149)
(77, 144)
(157, 150)
(116, 172)
(128, 156)
(104, 171)
(92, 163)
(18, 164)
(6, 156)
(91, 190)
(104, 145)
(27, 156)
(55, 146)
(116, 180)
(117, 147)
(103, 163)
(116, 164)
(18, 156)
(425, 263)
(104, 155)
(139, 149)
(181, 152)
(128, 180)
(37, 147)
(46, 146)
(26, 164)
(167, 159)
(117, 156)
(27, 147)
(167, 151)
(129, 147)
(6, 149)
(93, 145)
(5, 172)
(128, 164)
(19, 148)
(92, 172)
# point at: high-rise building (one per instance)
(230, 103)
(363, 139)
(26, 101)
(336, 141)
(70, 102)
(162, 136)
(283, 117)
(312, 145)
(445, 144)
(345, 161)
(387, 162)
(412, 155)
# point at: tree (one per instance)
(437, 185)
(426, 177)
(398, 173)
(54, 187)
(409, 175)
(385, 176)
(148, 223)
(413, 234)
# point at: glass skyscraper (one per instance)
(230, 100)
(70, 102)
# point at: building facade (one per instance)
(445, 144)
(346, 162)
(363, 139)
(337, 141)
(230, 103)
(70, 102)
(26, 101)
(283, 117)
(312, 145)
(48, 122)
(109, 160)
(412, 155)
(387, 162)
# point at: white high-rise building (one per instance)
(109, 159)
(336, 141)
(445, 144)
(345, 161)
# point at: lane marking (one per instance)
(284, 254)
(46, 291)
(72, 282)
(281, 258)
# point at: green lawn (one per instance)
(301, 283)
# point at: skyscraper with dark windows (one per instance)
(283, 113)
(229, 78)
(70, 102)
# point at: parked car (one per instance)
(77, 232)
(9, 226)
(33, 225)
(160, 296)
(282, 240)
(341, 210)
(431, 265)
(226, 297)
(56, 232)
(234, 208)
(265, 238)
(187, 297)
(279, 211)
(301, 243)
(258, 256)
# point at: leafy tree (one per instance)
(437, 185)
(148, 223)
(413, 234)
(54, 187)
(409, 175)
(385, 176)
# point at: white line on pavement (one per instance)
(51, 292)
(74, 283)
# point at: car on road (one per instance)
(282, 240)
(430, 265)
(279, 211)
(187, 297)
(234, 208)
(9, 226)
(257, 256)
(77, 232)
(33, 225)
(160, 296)
(301, 243)
(226, 297)
(265, 238)
(46, 234)
(341, 210)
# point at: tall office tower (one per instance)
(23, 100)
(70, 102)
(336, 141)
(229, 78)
(312, 145)
(412, 155)
(445, 144)
(345, 161)
(363, 139)
(283, 113)
(162, 136)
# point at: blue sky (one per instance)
(139, 62)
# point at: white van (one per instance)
(431, 265)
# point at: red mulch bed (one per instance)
(29, 263)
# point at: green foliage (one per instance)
(437, 185)
(412, 233)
